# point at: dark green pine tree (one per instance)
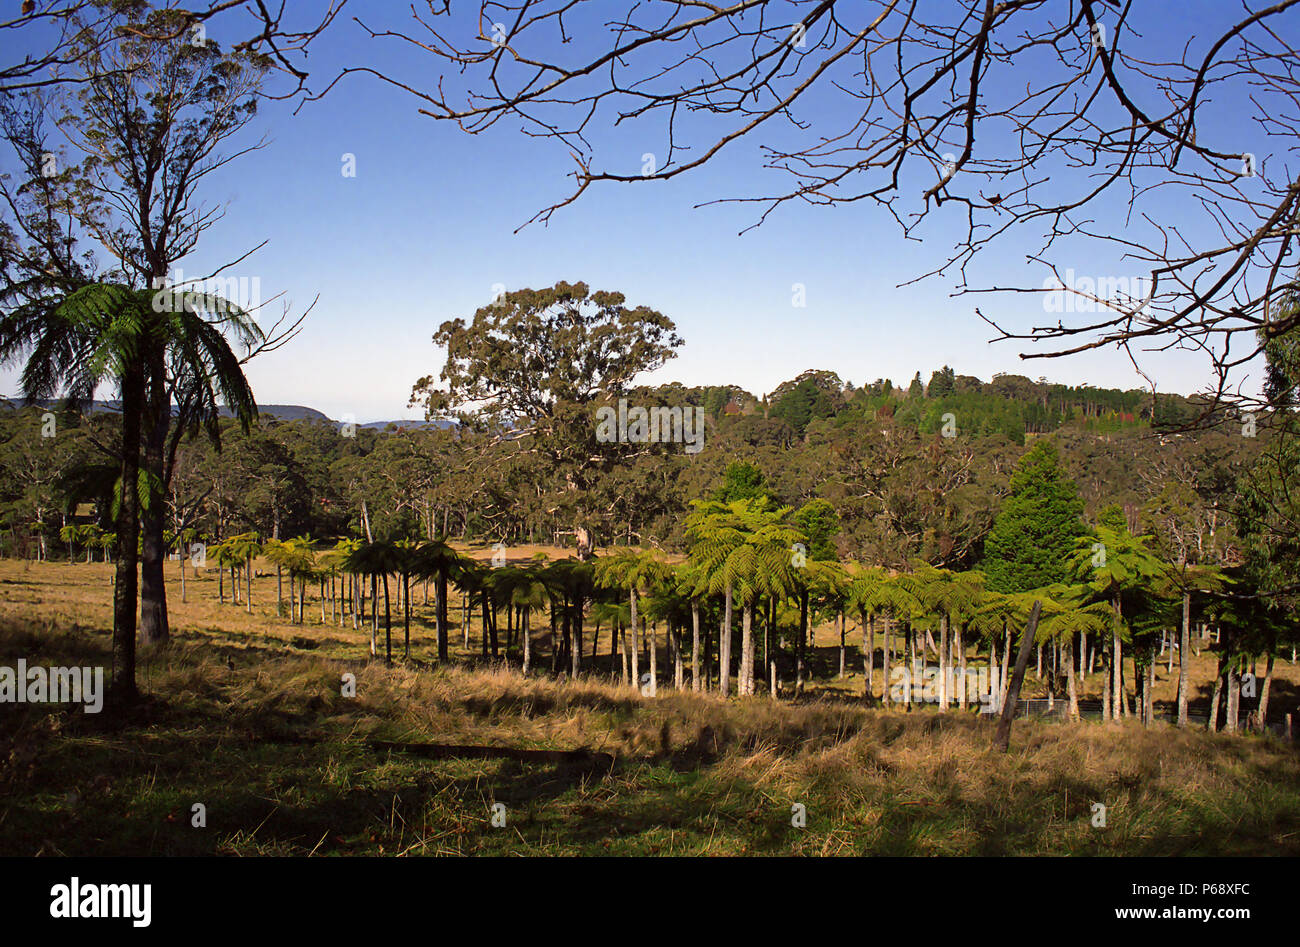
(1036, 531)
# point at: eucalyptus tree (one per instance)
(145, 124)
(533, 364)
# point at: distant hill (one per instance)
(280, 412)
(410, 425)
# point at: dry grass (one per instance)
(281, 760)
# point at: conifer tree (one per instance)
(1038, 527)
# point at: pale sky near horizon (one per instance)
(426, 228)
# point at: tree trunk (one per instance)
(1071, 687)
(747, 648)
(388, 621)
(1117, 665)
(527, 639)
(1261, 712)
(944, 663)
(724, 646)
(1002, 740)
(802, 643)
(1184, 643)
(1234, 695)
(959, 645)
(575, 654)
(440, 616)
(841, 674)
(406, 616)
(695, 645)
(374, 614)
(1107, 690)
(624, 653)
(122, 691)
(884, 660)
(1212, 724)
(1004, 681)
(679, 671)
(1149, 689)
(869, 656)
(653, 645)
(771, 645)
(153, 590)
(636, 643)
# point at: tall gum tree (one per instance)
(533, 366)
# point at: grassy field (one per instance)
(244, 715)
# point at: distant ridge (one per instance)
(280, 412)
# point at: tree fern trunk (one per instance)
(695, 645)
(724, 646)
(636, 643)
(747, 649)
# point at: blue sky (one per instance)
(426, 228)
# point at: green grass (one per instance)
(282, 763)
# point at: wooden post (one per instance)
(1288, 728)
(1003, 738)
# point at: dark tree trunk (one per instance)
(441, 617)
(1002, 740)
(157, 421)
(122, 690)
(406, 615)
(695, 645)
(388, 624)
(1184, 643)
